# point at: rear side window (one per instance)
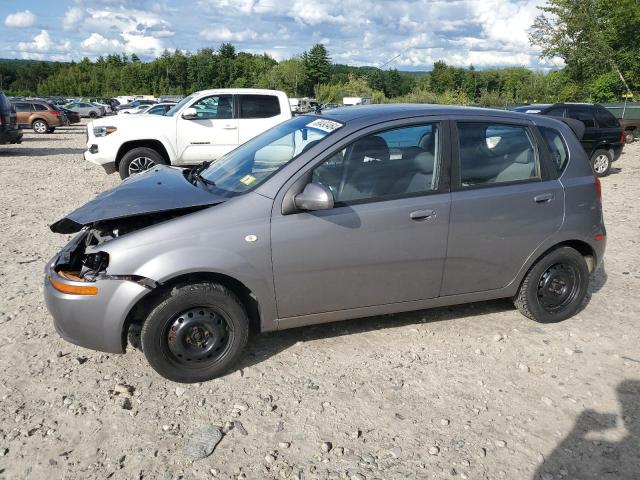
(259, 106)
(606, 119)
(39, 107)
(557, 147)
(582, 114)
(493, 153)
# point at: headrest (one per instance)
(372, 147)
(423, 162)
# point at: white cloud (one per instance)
(223, 34)
(73, 16)
(97, 43)
(20, 19)
(42, 47)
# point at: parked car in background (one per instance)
(603, 138)
(9, 130)
(353, 213)
(135, 104)
(201, 127)
(170, 98)
(39, 115)
(628, 114)
(157, 109)
(72, 117)
(100, 102)
(85, 109)
(352, 101)
(129, 111)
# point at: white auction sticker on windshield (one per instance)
(324, 125)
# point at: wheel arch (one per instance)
(136, 315)
(154, 144)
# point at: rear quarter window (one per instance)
(557, 148)
(606, 119)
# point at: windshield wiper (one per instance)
(194, 174)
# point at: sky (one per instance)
(414, 33)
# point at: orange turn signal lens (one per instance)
(73, 289)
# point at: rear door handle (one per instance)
(229, 127)
(422, 214)
(543, 198)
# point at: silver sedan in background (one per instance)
(86, 109)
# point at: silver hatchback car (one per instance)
(354, 212)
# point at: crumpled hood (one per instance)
(161, 189)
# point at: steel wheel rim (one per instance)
(558, 287)
(198, 336)
(40, 127)
(140, 164)
(601, 163)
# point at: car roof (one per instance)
(239, 91)
(398, 110)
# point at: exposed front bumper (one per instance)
(92, 321)
(101, 157)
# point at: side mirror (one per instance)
(314, 197)
(190, 113)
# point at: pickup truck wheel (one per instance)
(138, 160)
(555, 287)
(40, 126)
(601, 162)
(195, 333)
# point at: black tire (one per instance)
(601, 162)
(93, 114)
(51, 129)
(555, 287)
(629, 136)
(169, 332)
(40, 126)
(136, 159)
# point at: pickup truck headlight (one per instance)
(103, 131)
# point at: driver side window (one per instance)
(217, 107)
(392, 163)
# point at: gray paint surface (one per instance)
(351, 261)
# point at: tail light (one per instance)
(622, 136)
(598, 190)
(57, 113)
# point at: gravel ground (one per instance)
(474, 391)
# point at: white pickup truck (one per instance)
(203, 126)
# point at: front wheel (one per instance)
(196, 333)
(40, 126)
(555, 287)
(93, 114)
(138, 160)
(601, 162)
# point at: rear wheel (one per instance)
(93, 114)
(196, 333)
(138, 160)
(40, 126)
(555, 287)
(601, 162)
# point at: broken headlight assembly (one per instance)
(103, 131)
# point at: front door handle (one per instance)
(543, 198)
(422, 214)
(229, 127)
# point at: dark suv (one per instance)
(603, 137)
(9, 131)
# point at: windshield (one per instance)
(251, 164)
(178, 106)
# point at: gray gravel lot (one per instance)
(474, 391)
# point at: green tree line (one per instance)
(596, 40)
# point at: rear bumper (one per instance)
(92, 321)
